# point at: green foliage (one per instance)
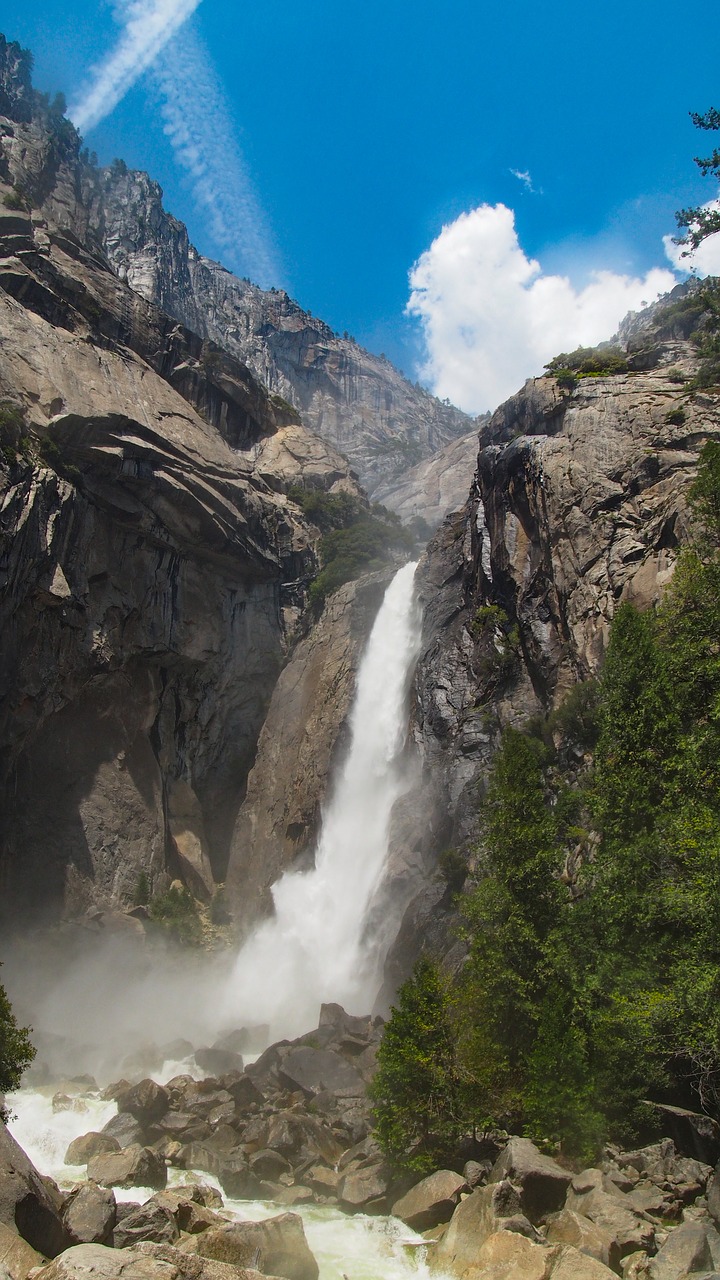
(175, 911)
(141, 896)
(356, 538)
(700, 222)
(16, 1051)
(453, 869)
(676, 417)
(705, 490)
(16, 199)
(576, 720)
(587, 362)
(417, 1086)
(584, 994)
(53, 456)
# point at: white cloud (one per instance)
(705, 260)
(491, 318)
(201, 131)
(147, 27)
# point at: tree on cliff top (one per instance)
(700, 222)
(16, 1051)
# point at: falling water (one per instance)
(314, 948)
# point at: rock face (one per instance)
(354, 400)
(151, 563)
(578, 504)
(29, 1204)
(301, 739)
(435, 487)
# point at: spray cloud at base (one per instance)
(119, 1003)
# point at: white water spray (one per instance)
(314, 948)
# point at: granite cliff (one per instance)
(356, 401)
(578, 504)
(152, 565)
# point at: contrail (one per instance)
(202, 136)
(147, 28)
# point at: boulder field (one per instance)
(294, 1128)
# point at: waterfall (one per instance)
(313, 949)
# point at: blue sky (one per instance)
(359, 131)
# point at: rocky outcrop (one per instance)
(303, 735)
(433, 488)
(578, 504)
(354, 400)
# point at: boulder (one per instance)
(16, 1255)
(276, 1245)
(691, 1248)
(149, 1221)
(269, 1165)
(495, 1208)
(431, 1201)
(134, 1166)
(236, 1177)
(29, 1203)
(364, 1189)
(143, 1262)
(628, 1230)
(542, 1181)
(314, 1070)
(217, 1061)
(245, 1093)
(693, 1133)
(502, 1255)
(88, 1145)
(125, 1129)
(90, 1213)
(571, 1264)
(571, 1228)
(713, 1195)
(146, 1101)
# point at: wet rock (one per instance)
(146, 1101)
(88, 1145)
(236, 1177)
(313, 1070)
(431, 1201)
(218, 1061)
(90, 1214)
(125, 1129)
(29, 1203)
(245, 1094)
(364, 1189)
(277, 1245)
(150, 1221)
(269, 1165)
(134, 1166)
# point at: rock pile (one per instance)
(651, 1214)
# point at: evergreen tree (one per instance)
(16, 1051)
(416, 1089)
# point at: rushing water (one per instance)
(359, 1247)
(315, 948)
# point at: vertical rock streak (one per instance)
(314, 948)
